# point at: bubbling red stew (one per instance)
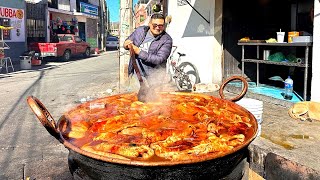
(177, 127)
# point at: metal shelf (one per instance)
(304, 65)
(275, 63)
(303, 44)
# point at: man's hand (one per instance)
(136, 49)
(127, 43)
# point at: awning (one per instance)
(6, 28)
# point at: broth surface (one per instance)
(177, 127)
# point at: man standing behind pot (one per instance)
(152, 46)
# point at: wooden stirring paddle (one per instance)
(145, 93)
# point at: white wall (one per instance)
(315, 81)
(81, 19)
(195, 37)
(64, 5)
(73, 5)
(94, 2)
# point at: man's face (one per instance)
(156, 26)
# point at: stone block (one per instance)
(257, 156)
(277, 167)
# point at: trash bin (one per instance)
(25, 62)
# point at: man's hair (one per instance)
(158, 16)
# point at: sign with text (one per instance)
(15, 19)
(88, 9)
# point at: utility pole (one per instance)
(102, 23)
(125, 29)
(107, 21)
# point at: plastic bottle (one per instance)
(288, 88)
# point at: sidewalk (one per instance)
(47, 63)
(286, 148)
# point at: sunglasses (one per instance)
(160, 26)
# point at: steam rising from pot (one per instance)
(157, 81)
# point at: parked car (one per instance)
(65, 46)
(112, 42)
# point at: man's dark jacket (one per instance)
(158, 53)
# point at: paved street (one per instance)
(26, 148)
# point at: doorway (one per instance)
(260, 20)
(82, 30)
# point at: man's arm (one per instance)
(161, 56)
(129, 40)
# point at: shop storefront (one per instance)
(14, 37)
(62, 24)
(82, 24)
(259, 21)
(219, 25)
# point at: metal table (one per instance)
(259, 61)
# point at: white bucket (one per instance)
(259, 130)
(257, 112)
(254, 106)
(25, 62)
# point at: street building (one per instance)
(141, 13)
(114, 28)
(13, 14)
(76, 17)
(38, 21)
(209, 33)
(143, 9)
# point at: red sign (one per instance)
(11, 13)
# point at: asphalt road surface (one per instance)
(27, 150)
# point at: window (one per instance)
(6, 33)
(69, 38)
(112, 39)
(35, 28)
(53, 4)
(64, 5)
(61, 38)
(78, 40)
(78, 4)
(65, 38)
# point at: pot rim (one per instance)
(70, 146)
